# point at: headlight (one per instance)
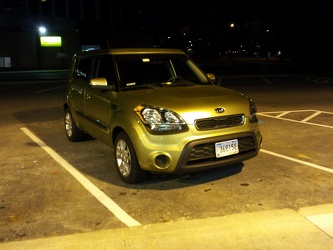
(160, 120)
(253, 111)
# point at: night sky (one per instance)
(172, 14)
(302, 29)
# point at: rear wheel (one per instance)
(73, 133)
(127, 163)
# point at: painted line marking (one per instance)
(282, 114)
(296, 111)
(311, 116)
(286, 119)
(50, 89)
(264, 79)
(11, 87)
(323, 221)
(304, 121)
(101, 196)
(298, 161)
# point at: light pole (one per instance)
(41, 32)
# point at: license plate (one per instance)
(225, 148)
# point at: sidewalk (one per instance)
(309, 228)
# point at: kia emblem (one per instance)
(219, 110)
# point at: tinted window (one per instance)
(144, 72)
(184, 70)
(150, 69)
(82, 70)
(104, 68)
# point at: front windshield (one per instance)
(152, 71)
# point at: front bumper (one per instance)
(179, 153)
(200, 154)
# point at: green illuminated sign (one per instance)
(50, 41)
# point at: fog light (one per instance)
(162, 161)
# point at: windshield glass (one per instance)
(153, 71)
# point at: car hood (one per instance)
(198, 100)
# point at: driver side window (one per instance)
(182, 69)
(103, 68)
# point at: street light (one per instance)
(42, 30)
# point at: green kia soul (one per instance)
(159, 112)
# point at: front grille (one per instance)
(207, 151)
(219, 122)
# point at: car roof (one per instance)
(130, 51)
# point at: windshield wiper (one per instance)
(170, 84)
(175, 81)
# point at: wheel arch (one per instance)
(115, 132)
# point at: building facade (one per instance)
(81, 24)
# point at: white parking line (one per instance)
(11, 87)
(323, 221)
(50, 89)
(311, 116)
(282, 114)
(102, 197)
(264, 79)
(296, 160)
(304, 121)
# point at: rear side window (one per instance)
(83, 68)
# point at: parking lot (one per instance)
(51, 187)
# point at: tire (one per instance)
(73, 133)
(126, 160)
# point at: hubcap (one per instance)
(123, 155)
(68, 125)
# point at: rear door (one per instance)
(78, 82)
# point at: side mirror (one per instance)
(211, 76)
(100, 83)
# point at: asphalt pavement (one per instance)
(307, 228)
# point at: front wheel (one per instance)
(72, 131)
(126, 160)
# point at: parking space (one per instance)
(311, 117)
(52, 187)
(305, 134)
